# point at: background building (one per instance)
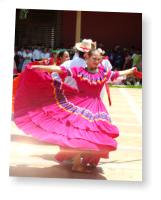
(52, 27)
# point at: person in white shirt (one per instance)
(79, 62)
(105, 63)
(76, 55)
(37, 54)
(20, 60)
(27, 58)
(45, 55)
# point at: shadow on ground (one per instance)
(56, 171)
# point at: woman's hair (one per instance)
(81, 54)
(58, 58)
(91, 52)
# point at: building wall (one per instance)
(69, 27)
(108, 28)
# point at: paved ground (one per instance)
(32, 158)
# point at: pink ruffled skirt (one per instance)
(54, 112)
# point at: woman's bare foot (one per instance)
(80, 169)
(93, 164)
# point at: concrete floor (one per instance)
(32, 158)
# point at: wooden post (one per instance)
(78, 27)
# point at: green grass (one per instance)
(126, 86)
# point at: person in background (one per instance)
(93, 45)
(32, 49)
(15, 49)
(55, 56)
(37, 54)
(45, 55)
(27, 58)
(128, 59)
(14, 67)
(62, 46)
(132, 50)
(111, 56)
(50, 50)
(125, 52)
(106, 53)
(20, 59)
(71, 53)
(76, 55)
(135, 57)
(42, 47)
(60, 58)
(57, 48)
(104, 62)
(16, 57)
(118, 59)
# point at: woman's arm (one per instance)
(26, 58)
(128, 72)
(49, 68)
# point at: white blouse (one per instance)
(25, 55)
(45, 55)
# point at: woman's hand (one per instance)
(35, 67)
(131, 73)
(128, 72)
(132, 70)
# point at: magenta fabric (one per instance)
(54, 112)
(14, 71)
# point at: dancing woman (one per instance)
(76, 120)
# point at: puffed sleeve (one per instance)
(110, 75)
(113, 75)
(68, 72)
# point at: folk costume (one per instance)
(76, 120)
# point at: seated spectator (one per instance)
(45, 55)
(36, 54)
(27, 58)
